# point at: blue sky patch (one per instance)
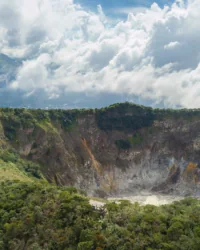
(118, 8)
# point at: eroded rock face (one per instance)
(163, 156)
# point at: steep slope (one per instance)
(121, 149)
(13, 167)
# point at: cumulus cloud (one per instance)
(33, 74)
(154, 55)
(171, 45)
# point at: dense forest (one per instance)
(38, 216)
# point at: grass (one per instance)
(10, 159)
(47, 126)
(9, 171)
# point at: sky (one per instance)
(118, 8)
(89, 53)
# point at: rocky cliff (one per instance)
(121, 149)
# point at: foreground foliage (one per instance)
(40, 216)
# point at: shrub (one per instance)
(123, 144)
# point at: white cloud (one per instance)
(154, 54)
(171, 45)
(126, 11)
(33, 74)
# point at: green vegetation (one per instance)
(9, 171)
(131, 117)
(67, 119)
(123, 144)
(12, 167)
(124, 116)
(136, 139)
(41, 216)
(120, 116)
(14, 119)
(49, 120)
(38, 216)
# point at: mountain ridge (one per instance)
(122, 149)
